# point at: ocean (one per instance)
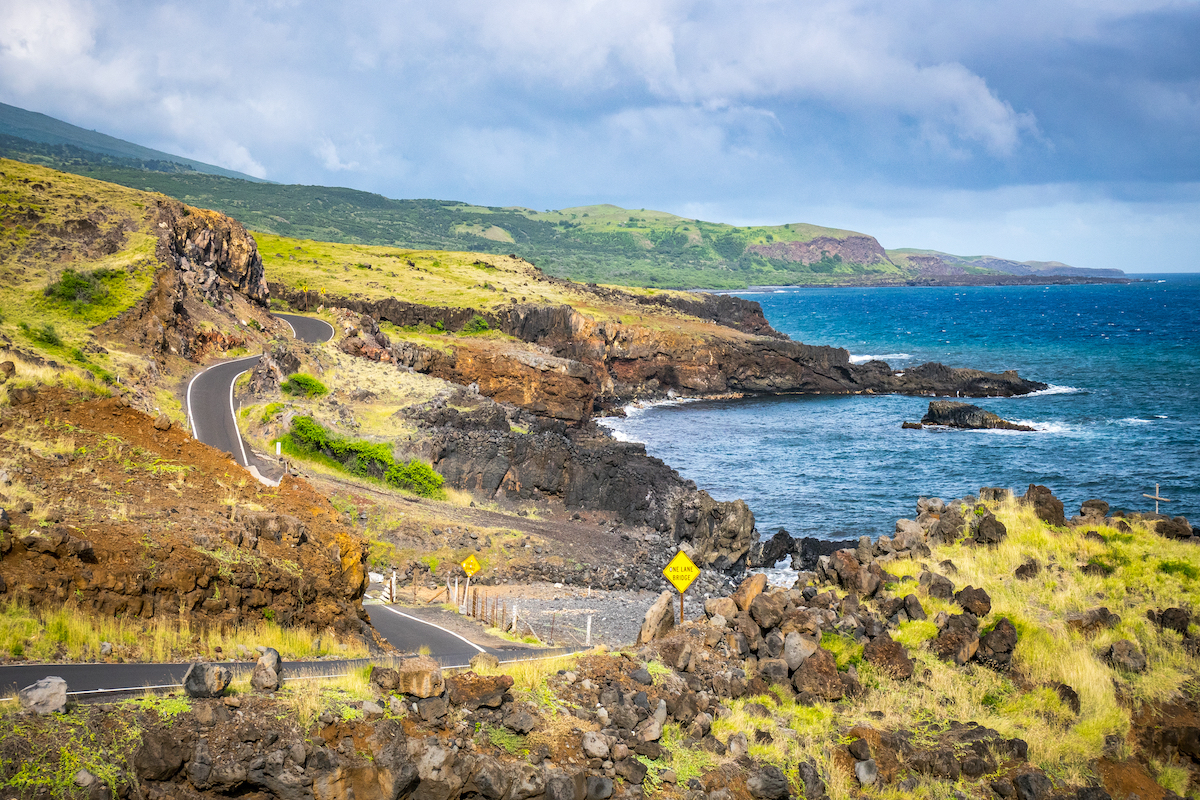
(1122, 413)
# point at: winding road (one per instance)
(210, 399)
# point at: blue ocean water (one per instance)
(1123, 413)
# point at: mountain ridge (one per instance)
(602, 243)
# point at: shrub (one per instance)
(366, 458)
(43, 335)
(81, 288)
(270, 411)
(303, 384)
(477, 325)
(1179, 568)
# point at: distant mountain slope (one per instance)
(597, 244)
(932, 263)
(34, 127)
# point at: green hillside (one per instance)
(62, 140)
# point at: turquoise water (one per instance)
(1122, 415)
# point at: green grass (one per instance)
(43, 754)
(304, 385)
(845, 650)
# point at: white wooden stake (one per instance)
(588, 641)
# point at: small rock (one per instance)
(268, 672)
(1123, 654)
(1032, 785)
(860, 749)
(768, 783)
(866, 771)
(162, 423)
(595, 745)
(598, 787)
(106, 649)
(520, 721)
(977, 601)
(738, 744)
(372, 710)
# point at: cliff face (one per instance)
(589, 470)
(851, 249)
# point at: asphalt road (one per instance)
(210, 393)
(210, 408)
(103, 681)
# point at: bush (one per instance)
(303, 384)
(477, 325)
(365, 458)
(43, 335)
(81, 288)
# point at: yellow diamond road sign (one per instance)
(681, 571)
(471, 566)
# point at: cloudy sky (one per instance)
(1049, 130)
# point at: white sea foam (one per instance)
(884, 357)
(1053, 389)
(1134, 421)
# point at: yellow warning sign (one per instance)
(471, 566)
(680, 571)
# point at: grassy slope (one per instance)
(38, 210)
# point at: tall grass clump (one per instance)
(303, 385)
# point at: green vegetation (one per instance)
(845, 650)
(605, 243)
(52, 750)
(358, 457)
(305, 385)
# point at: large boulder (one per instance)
(997, 645)
(268, 671)
(720, 607)
(1177, 528)
(889, 656)
(659, 620)
(1049, 509)
(47, 696)
(959, 640)
(473, 691)
(767, 610)
(819, 677)
(750, 588)
(420, 677)
(796, 649)
(767, 783)
(986, 530)
(206, 680)
(975, 600)
(949, 527)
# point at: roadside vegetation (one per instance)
(67, 633)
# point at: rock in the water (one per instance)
(1048, 508)
(206, 680)
(660, 619)
(47, 696)
(964, 415)
(911, 426)
(772, 551)
(889, 656)
(420, 677)
(268, 672)
(1123, 654)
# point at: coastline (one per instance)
(932, 281)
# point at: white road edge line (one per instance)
(233, 414)
(287, 678)
(289, 324)
(434, 625)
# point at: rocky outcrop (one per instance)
(965, 415)
(214, 253)
(630, 361)
(587, 469)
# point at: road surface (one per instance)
(210, 395)
(408, 634)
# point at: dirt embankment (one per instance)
(119, 517)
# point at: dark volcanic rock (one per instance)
(772, 551)
(1048, 508)
(997, 645)
(889, 656)
(965, 415)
